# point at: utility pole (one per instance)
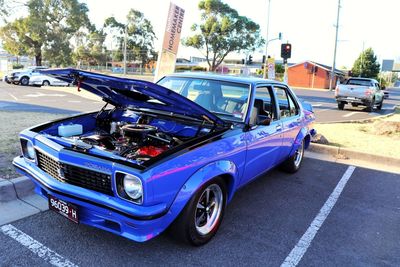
(266, 42)
(125, 40)
(334, 52)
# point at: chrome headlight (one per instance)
(129, 187)
(28, 151)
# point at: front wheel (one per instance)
(24, 81)
(340, 105)
(293, 163)
(200, 219)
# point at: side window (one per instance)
(287, 104)
(264, 105)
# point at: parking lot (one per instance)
(263, 224)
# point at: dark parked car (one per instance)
(171, 154)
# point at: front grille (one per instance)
(74, 175)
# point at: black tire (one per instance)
(379, 107)
(354, 105)
(340, 105)
(293, 163)
(185, 227)
(24, 81)
(45, 83)
(370, 107)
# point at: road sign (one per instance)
(387, 64)
(271, 68)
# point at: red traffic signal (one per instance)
(286, 51)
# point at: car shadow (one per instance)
(13, 106)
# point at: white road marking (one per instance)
(13, 96)
(36, 247)
(74, 101)
(349, 114)
(305, 241)
(41, 94)
(317, 105)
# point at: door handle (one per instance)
(278, 128)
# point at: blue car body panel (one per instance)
(237, 153)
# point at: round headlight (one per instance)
(30, 150)
(133, 187)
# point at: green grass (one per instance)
(12, 122)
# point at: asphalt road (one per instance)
(15, 97)
(263, 223)
(28, 98)
(326, 110)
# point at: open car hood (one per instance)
(132, 93)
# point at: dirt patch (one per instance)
(379, 137)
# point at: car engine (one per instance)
(139, 142)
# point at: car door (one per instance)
(289, 113)
(263, 141)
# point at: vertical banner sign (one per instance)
(167, 56)
(271, 68)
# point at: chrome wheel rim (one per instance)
(208, 209)
(299, 155)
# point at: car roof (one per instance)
(225, 78)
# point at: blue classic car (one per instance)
(166, 155)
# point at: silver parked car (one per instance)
(39, 79)
(360, 91)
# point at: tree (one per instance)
(91, 49)
(140, 36)
(366, 65)
(223, 31)
(46, 30)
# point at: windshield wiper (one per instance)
(223, 113)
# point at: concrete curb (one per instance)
(16, 188)
(345, 153)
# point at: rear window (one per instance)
(360, 82)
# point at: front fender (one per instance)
(223, 168)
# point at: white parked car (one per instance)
(40, 79)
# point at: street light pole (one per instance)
(125, 40)
(266, 42)
(334, 52)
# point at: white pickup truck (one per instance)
(360, 91)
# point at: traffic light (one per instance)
(286, 51)
(250, 61)
(263, 59)
(243, 61)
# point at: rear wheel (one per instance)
(293, 163)
(46, 83)
(340, 105)
(202, 216)
(370, 107)
(379, 107)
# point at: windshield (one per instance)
(225, 99)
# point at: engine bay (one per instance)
(139, 142)
(132, 136)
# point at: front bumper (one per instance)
(139, 226)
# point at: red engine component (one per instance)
(151, 151)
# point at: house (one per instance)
(313, 75)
